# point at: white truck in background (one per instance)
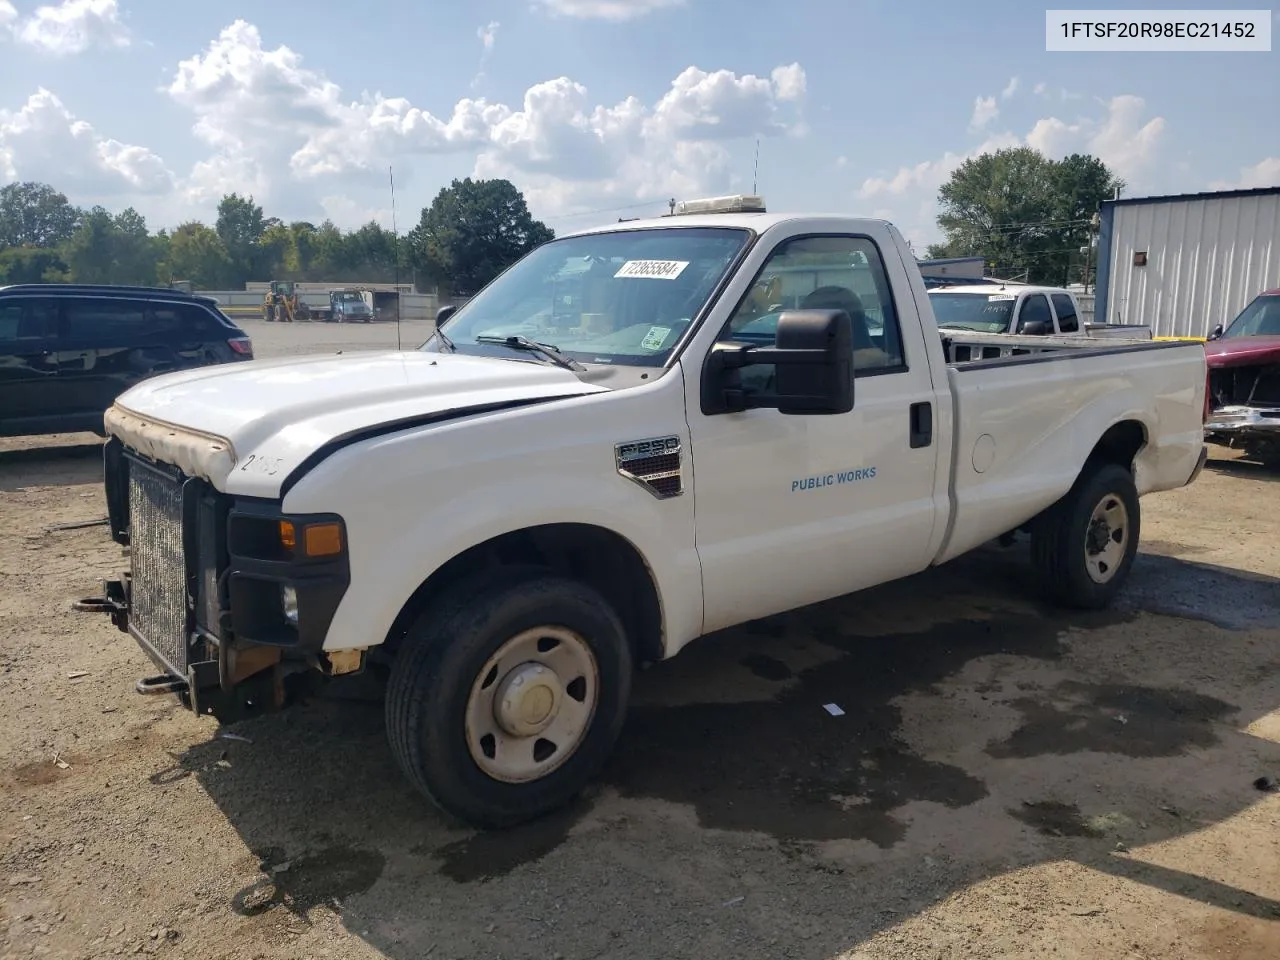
(627, 440)
(1022, 309)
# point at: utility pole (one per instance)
(671, 204)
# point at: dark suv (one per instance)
(68, 350)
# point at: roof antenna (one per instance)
(395, 246)
(755, 174)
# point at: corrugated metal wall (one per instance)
(1206, 259)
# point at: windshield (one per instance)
(979, 312)
(1261, 318)
(621, 297)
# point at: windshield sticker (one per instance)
(652, 269)
(655, 338)
(1000, 298)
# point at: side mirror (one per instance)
(444, 313)
(1037, 328)
(812, 358)
(1217, 332)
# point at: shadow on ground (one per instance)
(713, 830)
(58, 461)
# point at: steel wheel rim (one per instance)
(1106, 539)
(531, 704)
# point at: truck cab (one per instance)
(634, 436)
(351, 305)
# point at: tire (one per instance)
(435, 711)
(1061, 550)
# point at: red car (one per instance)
(1244, 380)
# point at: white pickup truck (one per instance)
(1021, 309)
(634, 436)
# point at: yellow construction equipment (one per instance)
(282, 304)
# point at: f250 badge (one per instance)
(662, 478)
(639, 449)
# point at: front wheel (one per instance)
(1083, 546)
(508, 695)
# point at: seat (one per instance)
(842, 298)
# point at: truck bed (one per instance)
(1023, 407)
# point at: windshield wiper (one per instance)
(445, 341)
(533, 346)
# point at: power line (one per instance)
(592, 213)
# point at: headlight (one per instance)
(289, 603)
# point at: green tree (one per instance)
(1023, 213)
(31, 265)
(90, 253)
(35, 215)
(197, 253)
(473, 230)
(240, 227)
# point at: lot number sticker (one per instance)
(655, 338)
(1000, 298)
(652, 269)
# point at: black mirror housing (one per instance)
(813, 361)
(444, 313)
(1217, 332)
(1037, 328)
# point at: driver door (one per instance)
(796, 509)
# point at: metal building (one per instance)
(1186, 263)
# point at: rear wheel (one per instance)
(508, 695)
(1083, 546)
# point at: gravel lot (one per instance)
(1006, 781)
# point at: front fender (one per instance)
(412, 502)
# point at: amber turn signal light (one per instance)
(322, 539)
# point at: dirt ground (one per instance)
(1006, 780)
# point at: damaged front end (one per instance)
(231, 598)
(1245, 409)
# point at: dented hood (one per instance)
(1242, 351)
(245, 427)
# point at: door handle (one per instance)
(921, 424)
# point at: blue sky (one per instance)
(591, 106)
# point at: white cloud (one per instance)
(488, 34)
(842, 161)
(1010, 88)
(276, 122)
(1040, 88)
(1264, 173)
(71, 27)
(984, 111)
(8, 15)
(43, 137)
(615, 10)
(1121, 137)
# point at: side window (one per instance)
(1065, 307)
(1035, 307)
(824, 273)
(116, 321)
(28, 321)
(181, 320)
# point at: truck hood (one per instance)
(245, 427)
(1242, 351)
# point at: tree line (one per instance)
(472, 230)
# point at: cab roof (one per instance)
(759, 222)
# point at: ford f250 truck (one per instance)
(634, 436)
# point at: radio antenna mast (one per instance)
(755, 174)
(395, 247)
